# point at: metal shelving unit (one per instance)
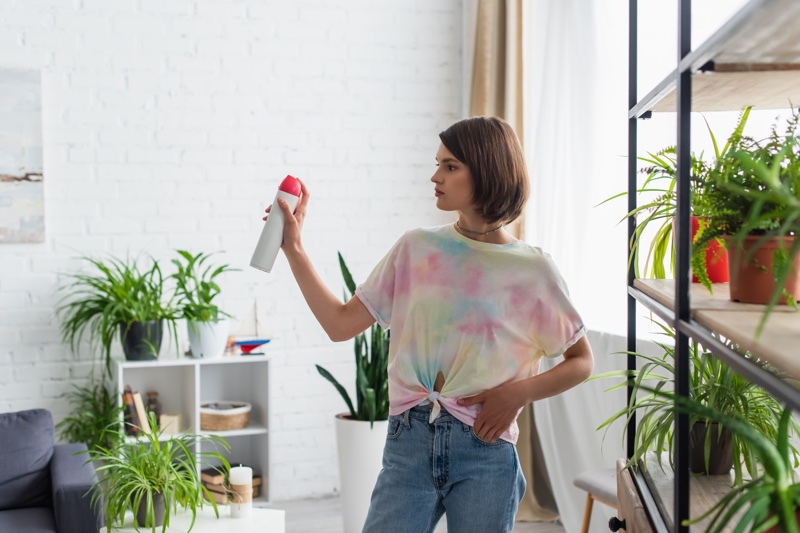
(753, 59)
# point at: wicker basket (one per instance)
(224, 416)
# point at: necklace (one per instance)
(478, 232)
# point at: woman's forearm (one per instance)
(340, 321)
(576, 367)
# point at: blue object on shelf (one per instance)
(250, 345)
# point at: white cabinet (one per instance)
(183, 384)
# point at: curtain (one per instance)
(495, 40)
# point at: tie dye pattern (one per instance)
(482, 314)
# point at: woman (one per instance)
(471, 310)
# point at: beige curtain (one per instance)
(497, 89)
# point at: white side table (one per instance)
(259, 521)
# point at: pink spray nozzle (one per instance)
(290, 185)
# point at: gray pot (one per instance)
(141, 341)
(158, 511)
(720, 459)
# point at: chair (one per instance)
(601, 485)
(44, 487)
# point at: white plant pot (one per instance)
(208, 339)
(360, 459)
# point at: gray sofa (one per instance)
(43, 486)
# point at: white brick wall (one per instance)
(169, 124)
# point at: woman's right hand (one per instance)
(293, 222)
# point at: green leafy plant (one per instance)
(372, 359)
(196, 286)
(712, 383)
(138, 470)
(660, 206)
(113, 297)
(771, 497)
(756, 191)
(95, 418)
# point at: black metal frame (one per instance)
(680, 318)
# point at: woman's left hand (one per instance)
(501, 406)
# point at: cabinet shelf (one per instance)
(714, 316)
(754, 59)
(706, 492)
(184, 383)
(778, 344)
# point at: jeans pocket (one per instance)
(498, 442)
(395, 427)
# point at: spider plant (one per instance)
(712, 383)
(372, 381)
(95, 418)
(111, 299)
(139, 474)
(771, 497)
(196, 286)
(660, 207)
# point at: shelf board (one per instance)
(251, 429)
(778, 344)
(756, 57)
(706, 491)
(191, 361)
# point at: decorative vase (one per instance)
(360, 460)
(716, 258)
(141, 341)
(752, 280)
(720, 457)
(158, 511)
(208, 339)
(716, 255)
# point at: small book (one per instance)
(213, 487)
(144, 421)
(217, 497)
(131, 419)
(212, 476)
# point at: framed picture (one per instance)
(21, 168)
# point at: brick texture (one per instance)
(169, 125)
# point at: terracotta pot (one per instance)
(716, 256)
(720, 457)
(751, 270)
(777, 529)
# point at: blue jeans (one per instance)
(433, 469)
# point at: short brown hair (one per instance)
(491, 150)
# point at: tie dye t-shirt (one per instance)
(482, 314)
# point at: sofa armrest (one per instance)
(73, 479)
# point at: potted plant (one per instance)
(361, 433)
(770, 500)
(659, 209)
(121, 299)
(196, 290)
(152, 478)
(712, 383)
(754, 204)
(95, 418)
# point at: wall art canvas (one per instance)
(21, 168)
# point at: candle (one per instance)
(241, 481)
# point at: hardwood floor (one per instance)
(325, 516)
